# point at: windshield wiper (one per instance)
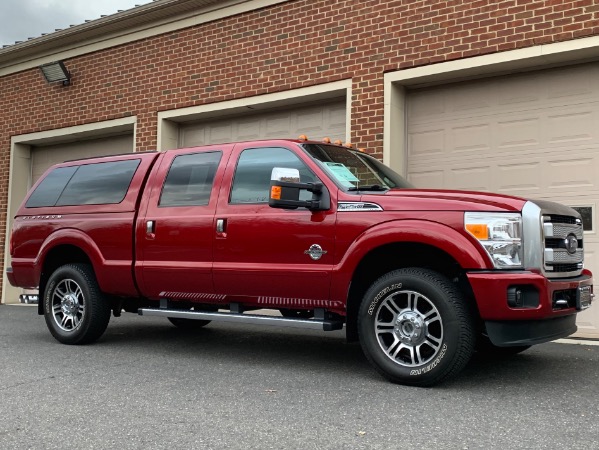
(369, 187)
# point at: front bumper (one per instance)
(550, 315)
(491, 293)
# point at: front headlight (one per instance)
(500, 234)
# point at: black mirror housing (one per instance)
(285, 195)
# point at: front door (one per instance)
(262, 254)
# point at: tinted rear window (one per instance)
(89, 184)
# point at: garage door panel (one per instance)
(426, 144)
(519, 93)
(573, 84)
(219, 132)
(470, 178)
(534, 135)
(570, 173)
(571, 126)
(517, 134)
(248, 129)
(428, 178)
(316, 121)
(471, 138)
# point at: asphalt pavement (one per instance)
(148, 385)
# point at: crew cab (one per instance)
(322, 233)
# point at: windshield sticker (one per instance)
(342, 173)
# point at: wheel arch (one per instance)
(63, 248)
(384, 259)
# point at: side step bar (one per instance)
(319, 322)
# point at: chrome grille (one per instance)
(559, 260)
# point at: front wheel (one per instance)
(415, 327)
(75, 309)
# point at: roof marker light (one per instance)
(338, 142)
(303, 137)
(326, 140)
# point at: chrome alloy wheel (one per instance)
(68, 305)
(409, 328)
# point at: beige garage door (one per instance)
(534, 135)
(43, 157)
(315, 121)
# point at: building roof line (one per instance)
(140, 22)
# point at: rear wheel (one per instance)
(415, 327)
(75, 309)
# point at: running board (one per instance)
(255, 319)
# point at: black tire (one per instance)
(188, 324)
(75, 309)
(297, 313)
(425, 327)
(192, 324)
(485, 348)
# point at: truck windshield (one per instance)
(355, 171)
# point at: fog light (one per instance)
(514, 297)
(523, 296)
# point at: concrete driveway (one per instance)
(148, 385)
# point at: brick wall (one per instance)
(294, 44)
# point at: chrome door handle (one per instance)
(220, 225)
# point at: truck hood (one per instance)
(444, 200)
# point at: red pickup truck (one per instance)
(325, 234)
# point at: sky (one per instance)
(22, 19)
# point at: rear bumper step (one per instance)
(255, 319)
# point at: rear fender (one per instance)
(74, 237)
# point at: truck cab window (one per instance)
(189, 180)
(252, 176)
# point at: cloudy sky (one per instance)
(22, 19)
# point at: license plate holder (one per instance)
(583, 297)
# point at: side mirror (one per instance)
(285, 188)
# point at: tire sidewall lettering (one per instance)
(383, 292)
(432, 365)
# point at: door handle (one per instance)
(221, 227)
(150, 229)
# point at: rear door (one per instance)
(261, 254)
(175, 228)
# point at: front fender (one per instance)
(461, 248)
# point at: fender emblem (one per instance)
(315, 252)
